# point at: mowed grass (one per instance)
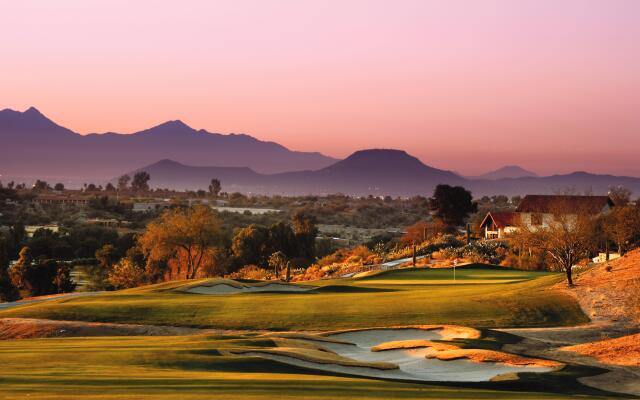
(480, 297)
(191, 367)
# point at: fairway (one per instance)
(244, 364)
(488, 298)
(192, 367)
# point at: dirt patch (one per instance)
(624, 350)
(27, 328)
(610, 292)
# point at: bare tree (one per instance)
(620, 195)
(621, 225)
(568, 237)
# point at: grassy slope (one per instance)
(190, 368)
(411, 297)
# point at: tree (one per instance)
(109, 187)
(622, 224)
(620, 195)
(567, 239)
(182, 235)
(452, 204)
(126, 274)
(421, 231)
(106, 256)
(8, 292)
(277, 261)
(40, 186)
(123, 182)
(215, 187)
(250, 245)
(63, 281)
(140, 182)
(305, 229)
(283, 239)
(59, 187)
(17, 273)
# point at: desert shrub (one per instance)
(251, 272)
(312, 273)
(525, 262)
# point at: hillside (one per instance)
(34, 146)
(611, 291)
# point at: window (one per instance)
(536, 219)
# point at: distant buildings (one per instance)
(71, 199)
(31, 229)
(149, 206)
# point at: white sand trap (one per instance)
(413, 364)
(223, 288)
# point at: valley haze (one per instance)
(180, 157)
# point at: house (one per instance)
(539, 211)
(496, 225)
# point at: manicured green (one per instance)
(482, 297)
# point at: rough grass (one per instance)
(522, 304)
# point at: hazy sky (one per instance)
(465, 85)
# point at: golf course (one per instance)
(408, 333)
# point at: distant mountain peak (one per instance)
(168, 162)
(388, 163)
(508, 172)
(175, 125)
(32, 111)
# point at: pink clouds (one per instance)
(464, 85)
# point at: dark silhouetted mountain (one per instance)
(35, 146)
(375, 172)
(577, 182)
(508, 171)
(174, 175)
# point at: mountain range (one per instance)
(33, 146)
(374, 172)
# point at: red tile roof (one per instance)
(501, 219)
(549, 204)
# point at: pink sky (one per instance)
(552, 85)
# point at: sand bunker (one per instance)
(224, 288)
(484, 356)
(371, 348)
